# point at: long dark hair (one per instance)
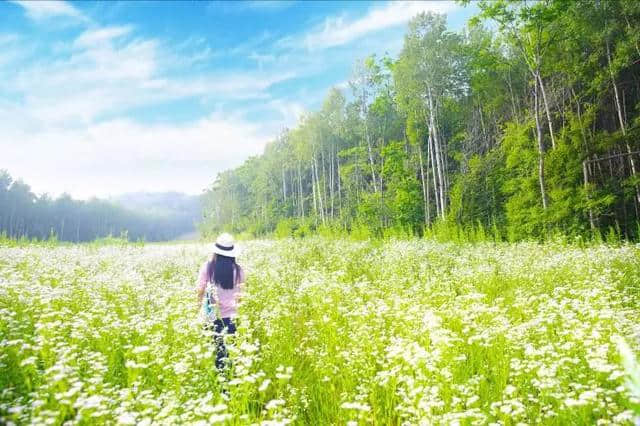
(220, 271)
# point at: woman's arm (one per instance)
(241, 276)
(202, 283)
(240, 283)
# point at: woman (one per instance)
(220, 283)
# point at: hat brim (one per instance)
(229, 253)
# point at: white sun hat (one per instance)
(224, 246)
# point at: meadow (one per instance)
(330, 332)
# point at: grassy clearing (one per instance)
(330, 332)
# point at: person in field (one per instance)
(220, 283)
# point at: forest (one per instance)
(26, 215)
(523, 124)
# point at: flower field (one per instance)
(330, 332)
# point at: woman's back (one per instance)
(226, 299)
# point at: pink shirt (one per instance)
(225, 299)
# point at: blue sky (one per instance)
(101, 98)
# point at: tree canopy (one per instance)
(527, 128)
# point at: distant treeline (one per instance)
(23, 214)
(524, 129)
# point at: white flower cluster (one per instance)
(329, 332)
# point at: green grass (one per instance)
(330, 331)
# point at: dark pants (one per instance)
(221, 327)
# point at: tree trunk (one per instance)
(425, 193)
(484, 131)
(383, 219)
(624, 107)
(563, 112)
(301, 199)
(373, 171)
(585, 175)
(513, 101)
(331, 178)
(431, 157)
(585, 168)
(626, 18)
(622, 121)
(444, 160)
(383, 144)
(284, 187)
(437, 154)
(339, 184)
(546, 108)
(313, 190)
(318, 191)
(324, 182)
(536, 107)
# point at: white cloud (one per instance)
(68, 127)
(262, 59)
(230, 84)
(251, 43)
(121, 155)
(92, 80)
(12, 49)
(103, 77)
(101, 35)
(44, 9)
(336, 31)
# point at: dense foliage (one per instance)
(330, 331)
(26, 215)
(527, 128)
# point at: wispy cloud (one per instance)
(12, 49)
(339, 30)
(262, 59)
(39, 10)
(252, 43)
(102, 35)
(104, 77)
